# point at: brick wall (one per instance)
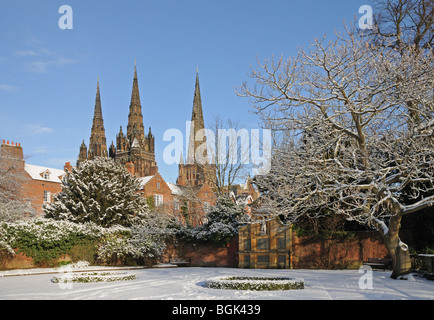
(34, 192)
(204, 255)
(307, 252)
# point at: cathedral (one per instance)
(134, 149)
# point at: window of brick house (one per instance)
(158, 184)
(158, 200)
(206, 207)
(47, 196)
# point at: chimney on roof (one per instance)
(12, 153)
(67, 167)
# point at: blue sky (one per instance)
(48, 75)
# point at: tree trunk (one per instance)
(398, 251)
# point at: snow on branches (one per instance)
(353, 127)
(99, 191)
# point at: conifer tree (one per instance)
(99, 191)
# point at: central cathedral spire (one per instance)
(135, 150)
(135, 128)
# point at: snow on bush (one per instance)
(44, 239)
(80, 264)
(255, 283)
(85, 277)
(139, 245)
(100, 191)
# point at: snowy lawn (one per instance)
(188, 284)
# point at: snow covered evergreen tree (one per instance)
(100, 191)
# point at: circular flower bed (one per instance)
(93, 277)
(255, 283)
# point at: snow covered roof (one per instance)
(243, 199)
(145, 180)
(175, 188)
(44, 173)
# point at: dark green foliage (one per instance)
(99, 191)
(224, 219)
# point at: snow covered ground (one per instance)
(188, 284)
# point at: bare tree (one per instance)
(12, 204)
(348, 143)
(229, 155)
(401, 24)
(191, 206)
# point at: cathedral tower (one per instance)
(135, 148)
(197, 170)
(135, 128)
(97, 143)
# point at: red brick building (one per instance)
(37, 184)
(156, 188)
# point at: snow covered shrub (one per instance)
(101, 191)
(114, 249)
(139, 245)
(45, 240)
(224, 220)
(255, 283)
(5, 247)
(85, 277)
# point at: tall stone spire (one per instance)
(197, 171)
(98, 144)
(135, 128)
(197, 124)
(136, 150)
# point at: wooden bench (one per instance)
(180, 262)
(379, 263)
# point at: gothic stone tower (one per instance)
(197, 171)
(97, 143)
(135, 149)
